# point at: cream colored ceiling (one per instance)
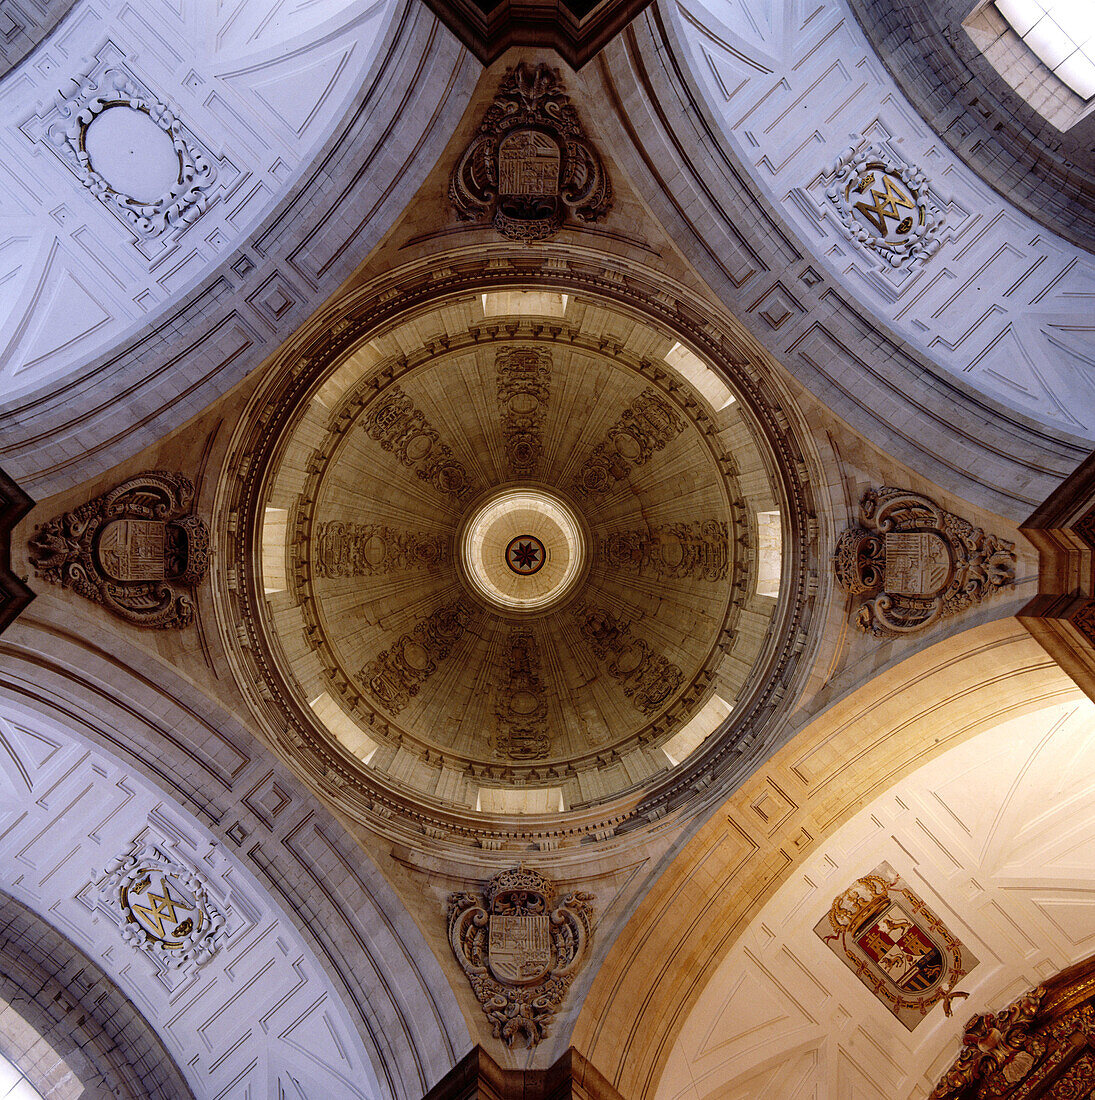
(366, 599)
(996, 836)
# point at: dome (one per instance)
(515, 552)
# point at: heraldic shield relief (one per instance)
(530, 163)
(916, 563)
(520, 950)
(137, 550)
(897, 947)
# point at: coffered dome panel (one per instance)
(505, 554)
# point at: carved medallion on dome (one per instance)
(165, 908)
(522, 709)
(524, 388)
(897, 947)
(917, 563)
(131, 152)
(136, 550)
(520, 949)
(886, 205)
(698, 549)
(646, 426)
(367, 549)
(648, 679)
(530, 163)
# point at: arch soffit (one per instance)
(63, 996)
(302, 862)
(747, 252)
(354, 189)
(719, 879)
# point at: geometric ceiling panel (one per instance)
(1024, 920)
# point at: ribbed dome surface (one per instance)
(522, 564)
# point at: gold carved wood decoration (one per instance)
(530, 164)
(1040, 1047)
(914, 563)
(137, 550)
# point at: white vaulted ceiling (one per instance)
(262, 85)
(1005, 304)
(1009, 872)
(263, 1018)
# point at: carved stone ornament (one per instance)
(699, 549)
(96, 121)
(137, 550)
(885, 205)
(645, 426)
(165, 908)
(648, 679)
(369, 549)
(524, 387)
(916, 563)
(530, 162)
(897, 947)
(520, 949)
(522, 709)
(394, 677)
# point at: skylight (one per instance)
(1062, 34)
(13, 1085)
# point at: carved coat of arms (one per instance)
(520, 949)
(897, 947)
(886, 205)
(165, 908)
(136, 550)
(914, 563)
(530, 161)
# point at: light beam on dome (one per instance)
(1061, 33)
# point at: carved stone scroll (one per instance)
(645, 426)
(136, 550)
(520, 950)
(916, 563)
(648, 679)
(398, 673)
(524, 387)
(400, 427)
(368, 549)
(522, 703)
(700, 549)
(530, 163)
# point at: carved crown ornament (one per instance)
(165, 908)
(897, 947)
(914, 563)
(530, 163)
(520, 948)
(137, 550)
(885, 205)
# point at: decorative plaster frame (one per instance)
(925, 239)
(198, 945)
(188, 197)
